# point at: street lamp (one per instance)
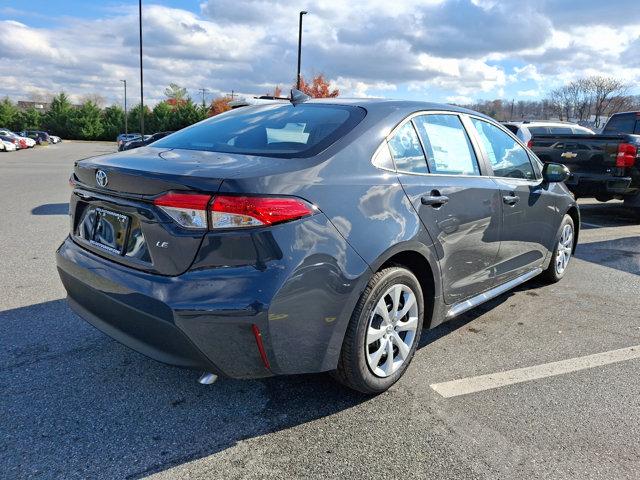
(126, 131)
(141, 81)
(299, 47)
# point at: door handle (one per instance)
(511, 199)
(435, 199)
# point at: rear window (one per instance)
(278, 130)
(538, 130)
(620, 124)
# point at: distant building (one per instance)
(40, 106)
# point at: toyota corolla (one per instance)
(311, 236)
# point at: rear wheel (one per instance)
(562, 252)
(383, 332)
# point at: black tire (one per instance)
(552, 273)
(353, 369)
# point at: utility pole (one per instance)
(126, 130)
(511, 116)
(299, 48)
(203, 90)
(141, 78)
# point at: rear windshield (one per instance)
(278, 130)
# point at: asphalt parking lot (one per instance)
(76, 404)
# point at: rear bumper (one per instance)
(203, 319)
(588, 184)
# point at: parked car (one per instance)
(126, 137)
(41, 138)
(604, 166)
(148, 139)
(30, 142)
(22, 142)
(10, 140)
(527, 129)
(282, 239)
(8, 145)
(54, 139)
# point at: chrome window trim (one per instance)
(526, 149)
(461, 115)
(410, 117)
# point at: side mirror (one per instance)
(555, 173)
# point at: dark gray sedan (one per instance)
(309, 237)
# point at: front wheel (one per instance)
(383, 332)
(562, 252)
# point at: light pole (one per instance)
(126, 131)
(299, 47)
(141, 80)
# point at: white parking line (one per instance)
(464, 386)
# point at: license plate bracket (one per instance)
(110, 231)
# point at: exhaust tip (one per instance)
(207, 378)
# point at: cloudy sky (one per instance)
(440, 50)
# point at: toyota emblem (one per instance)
(101, 178)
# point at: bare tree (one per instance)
(604, 90)
(94, 98)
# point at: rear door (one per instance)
(529, 218)
(440, 172)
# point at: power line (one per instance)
(203, 90)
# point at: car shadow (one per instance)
(620, 253)
(76, 403)
(442, 330)
(607, 215)
(51, 209)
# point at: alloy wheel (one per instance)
(565, 247)
(391, 330)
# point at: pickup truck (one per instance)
(603, 166)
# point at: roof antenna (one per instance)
(298, 97)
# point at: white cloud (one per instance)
(528, 72)
(460, 48)
(529, 93)
(459, 100)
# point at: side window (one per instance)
(406, 150)
(538, 130)
(446, 145)
(507, 157)
(561, 130)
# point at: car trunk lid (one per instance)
(113, 211)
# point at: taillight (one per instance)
(530, 143)
(626, 155)
(188, 209)
(230, 211)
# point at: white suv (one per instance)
(527, 129)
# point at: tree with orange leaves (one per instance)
(219, 105)
(318, 88)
